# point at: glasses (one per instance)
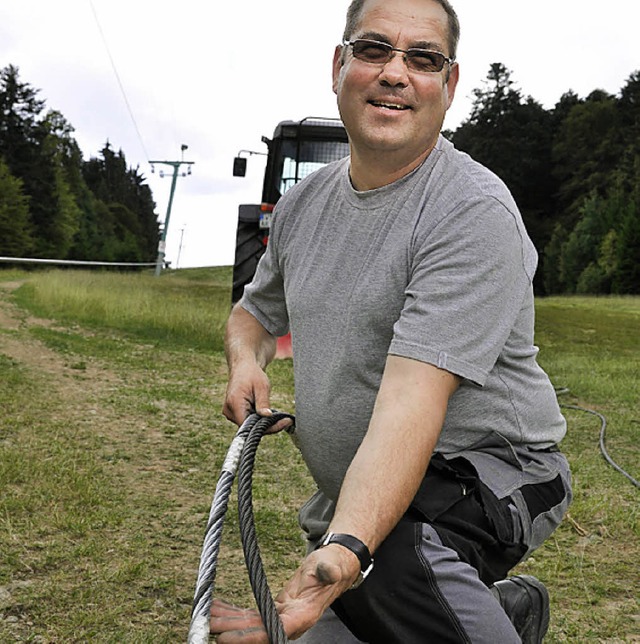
(380, 53)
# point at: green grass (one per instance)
(189, 310)
(591, 346)
(111, 440)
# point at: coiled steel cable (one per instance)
(242, 450)
(257, 577)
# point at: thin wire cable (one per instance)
(603, 448)
(603, 428)
(117, 75)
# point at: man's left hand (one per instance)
(321, 578)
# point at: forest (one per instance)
(56, 205)
(574, 171)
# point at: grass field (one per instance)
(111, 440)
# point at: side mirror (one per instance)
(239, 167)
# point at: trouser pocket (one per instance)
(468, 517)
(542, 506)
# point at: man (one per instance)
(404, 274)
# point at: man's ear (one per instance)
(452, 83)
(338, 63)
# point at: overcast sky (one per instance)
(216, 76)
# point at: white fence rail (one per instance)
(70, 262)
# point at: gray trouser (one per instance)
(474, 605)
(430, 581)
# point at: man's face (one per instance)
(388, 109)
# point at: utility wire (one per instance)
(115, 71)
(603, 427)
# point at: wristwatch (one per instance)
(356, 546)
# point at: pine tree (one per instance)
(128, 199)
(15, 230)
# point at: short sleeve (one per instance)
(264, 297)
(469, 279)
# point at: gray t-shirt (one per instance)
(436, 267)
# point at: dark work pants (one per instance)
(431, 575)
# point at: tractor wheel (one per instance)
(251, 242)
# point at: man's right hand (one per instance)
(248, 391)
(249, 349)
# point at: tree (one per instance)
(19, 120)
(21, 138)
(145, 206)
(552, 271)
(629, 106)
(32, 147)
(130, 204)
(59, 149)
(564, 106)
(626, 279)
(602, 253)
(581, 248)
(98, 210)
(15, 230)
(586, 152)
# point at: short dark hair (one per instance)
(355, 11)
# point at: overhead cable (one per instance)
(117, 75)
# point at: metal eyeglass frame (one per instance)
(390, 49)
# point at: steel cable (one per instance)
(257, 577)
(255, 427)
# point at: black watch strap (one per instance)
(356, 546)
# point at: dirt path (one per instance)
(19, 345)
(140, 457)
(79, 398)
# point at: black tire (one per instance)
(250, 246)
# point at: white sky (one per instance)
(217, 76)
